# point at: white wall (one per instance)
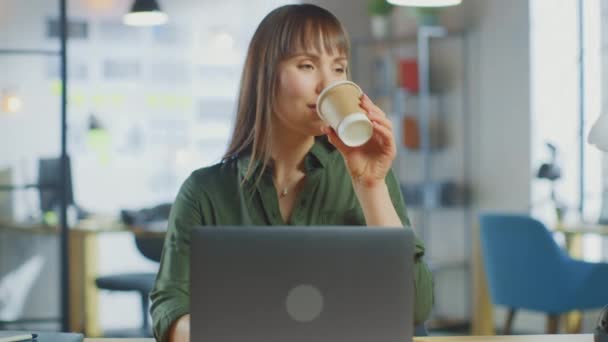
(501, 106)
(555, 89)
(500, 98)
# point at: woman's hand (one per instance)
(369, 164)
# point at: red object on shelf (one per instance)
(411, 132)
(408, 72)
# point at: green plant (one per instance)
(379, 7)
(424, 11)
(426, 15)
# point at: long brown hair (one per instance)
(283, 33)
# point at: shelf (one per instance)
(432, 208)
(373, 41)
(437, 195)
(432, 150)
(404, 39)
(37, 52)
(5, 187)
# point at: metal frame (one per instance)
(582, 107)
(64, 237)
(425, 34)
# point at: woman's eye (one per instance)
(306, 66)
(340, 70)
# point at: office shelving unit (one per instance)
(420, 164)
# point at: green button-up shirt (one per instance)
(210, 196)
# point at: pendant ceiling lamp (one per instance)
(145, 13)
(425, 3)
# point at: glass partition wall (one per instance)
(146, 106)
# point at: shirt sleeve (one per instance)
(423, 279)
(171, 293)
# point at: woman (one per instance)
(291, 167)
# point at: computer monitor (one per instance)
(49, 183)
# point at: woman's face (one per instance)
(301, 80)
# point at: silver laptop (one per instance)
(301, 283)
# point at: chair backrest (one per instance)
(523, 263)
(150, 245)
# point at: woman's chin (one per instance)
(318, 129)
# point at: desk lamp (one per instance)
(598, 135)
(145, 13)
(551, 171)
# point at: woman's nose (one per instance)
(320, 86)
(324, 80)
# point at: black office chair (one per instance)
(150, 245)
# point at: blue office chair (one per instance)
(526, 269)
(150, 246)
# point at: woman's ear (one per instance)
(598, 135)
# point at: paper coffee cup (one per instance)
(338, 105)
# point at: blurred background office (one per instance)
(491, 100)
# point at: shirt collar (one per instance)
(318, 156)
(320, 152)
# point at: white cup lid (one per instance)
(355, 130)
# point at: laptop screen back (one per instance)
(293, 283)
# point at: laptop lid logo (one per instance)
(304, 303)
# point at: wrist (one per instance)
(367, 185)
(376, 203)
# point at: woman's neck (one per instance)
(288, 153)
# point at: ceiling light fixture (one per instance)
(425, 3)
(145, 13)
(11, 103)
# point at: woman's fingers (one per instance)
(382, 120)
(375, 114)
(368, 105)
(385, 136)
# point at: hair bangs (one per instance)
(313, 33)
